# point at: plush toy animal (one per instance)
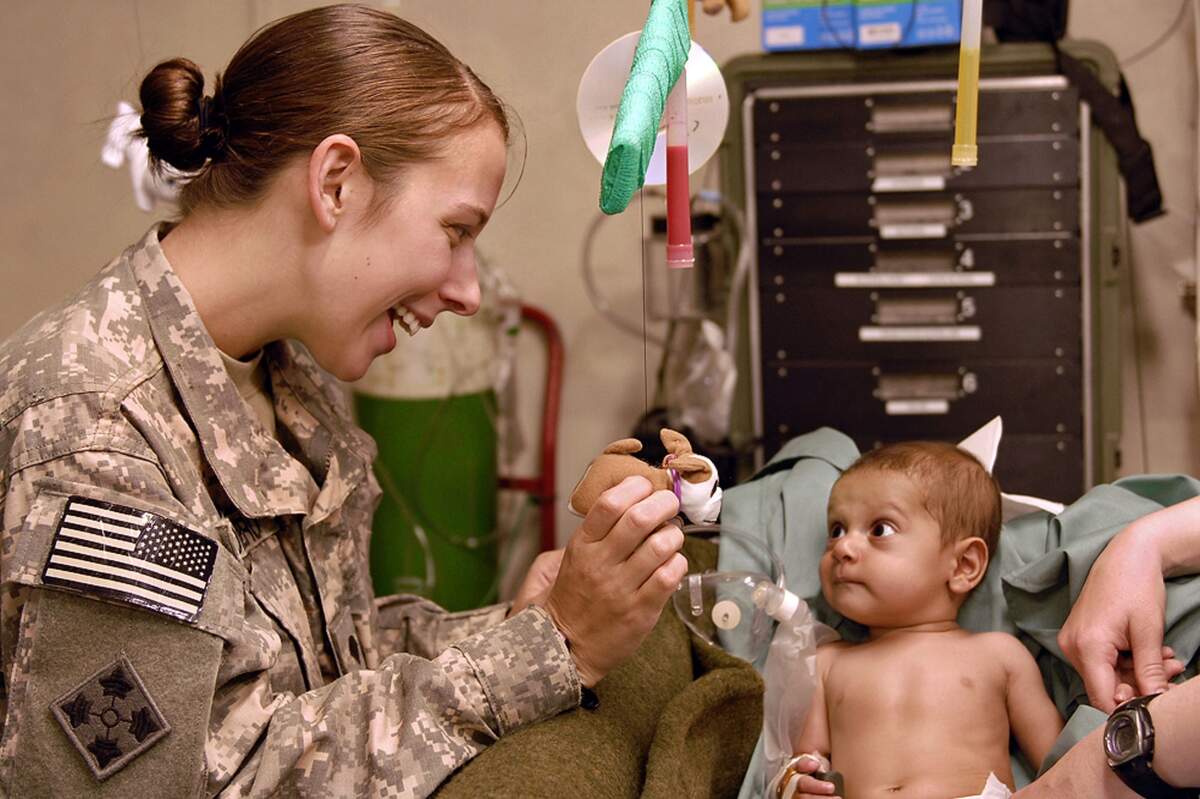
(692, 477)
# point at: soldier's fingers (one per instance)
(637, 523)
(662, 582)
(611, 507)
(655, 550)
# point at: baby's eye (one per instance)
(836, 530)
(882, 530)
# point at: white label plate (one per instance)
(928, 407)
(872, 333)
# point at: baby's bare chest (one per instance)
(945, 681)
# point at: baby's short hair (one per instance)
(959, 493)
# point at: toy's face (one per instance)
(884, 563)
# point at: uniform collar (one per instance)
(259, 476)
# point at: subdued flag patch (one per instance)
(130, 555)
(110, 718)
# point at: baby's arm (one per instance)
(1031, 713)
(815, 737)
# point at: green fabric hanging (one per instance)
(658, 62)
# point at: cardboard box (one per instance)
(808, 24)
(859, 24)
(906, 23)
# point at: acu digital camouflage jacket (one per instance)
(185, 604)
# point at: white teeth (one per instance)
(407, 319)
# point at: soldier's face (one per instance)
(414, 260)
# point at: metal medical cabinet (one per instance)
(895, 297)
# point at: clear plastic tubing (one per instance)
(966, 118)
(679, 215)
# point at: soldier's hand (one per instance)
(538, 581)
(619, 569)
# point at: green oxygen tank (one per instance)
(430, 406)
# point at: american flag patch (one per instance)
(131, 555)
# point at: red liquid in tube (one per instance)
(679, 215)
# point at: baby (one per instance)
(923, 708)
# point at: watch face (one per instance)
(1121, 739)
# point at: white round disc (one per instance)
(726, 614)
(599, 98)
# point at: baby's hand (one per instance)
(798, 782)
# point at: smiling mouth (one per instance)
(407, 320)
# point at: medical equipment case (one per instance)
(896, 297)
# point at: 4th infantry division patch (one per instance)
(110, 718)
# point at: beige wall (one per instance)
(64, 214)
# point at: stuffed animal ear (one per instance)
(675, 442)
(625, 446)
(692, 468)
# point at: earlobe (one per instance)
(970, 564)
(332, 165)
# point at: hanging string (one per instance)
(645, 345)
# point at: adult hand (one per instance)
(1120, 609)
(1127, 679)
(738, 9)
(619, 569)
(538, 581)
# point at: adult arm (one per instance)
(419, 626)
(1123, 602)
(404, 726)
(1083, 772)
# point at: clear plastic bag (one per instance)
(790, 679)
(700, 382)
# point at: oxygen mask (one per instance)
(734, 609)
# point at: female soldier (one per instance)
(186, 604)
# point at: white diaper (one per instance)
(992, 789)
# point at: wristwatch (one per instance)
(1129, 748)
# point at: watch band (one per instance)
(1140, 778)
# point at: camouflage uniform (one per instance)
(186, 607)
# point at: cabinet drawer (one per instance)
(871, 263)
(924, 400)
(884, 115)
(860, 324)
(888, 167)
(918, 216)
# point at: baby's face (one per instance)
(884, 563)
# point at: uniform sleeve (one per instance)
(417, 626)
(398, 730)
(102, 692)
(403, 729)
